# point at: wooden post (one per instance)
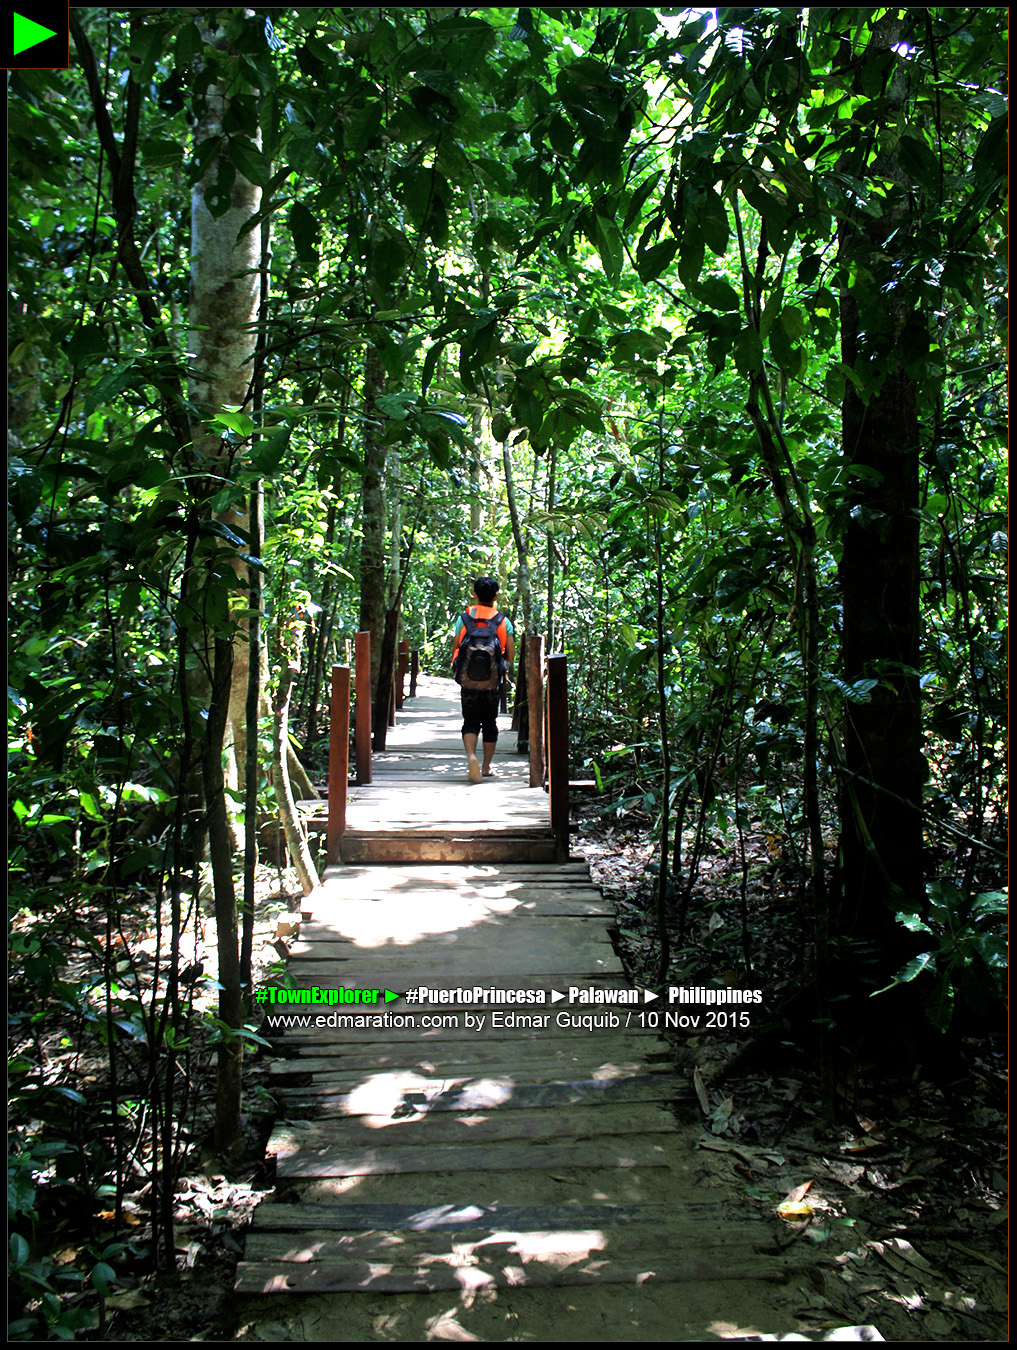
(363, 714)
(414, 672)
(519, 702)
(338, 762)
(535, 705)
(404, 661)
(558, 753)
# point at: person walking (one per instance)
(481, 652)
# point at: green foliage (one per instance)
(612, 241)
(968, 958)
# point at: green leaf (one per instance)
(362, 128)
(304, 229)
(748, 351)
(608, 243)
(242, 424)
(267, 452)
(910, 972)
(111, 384)
(718, 293)
(655, 261)
(103, 1276)
(691, 255)
(249, 161)
(162, 154)
(87, 344)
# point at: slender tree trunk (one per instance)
(386, 674)
(881, 817)
(665, 751)
(523, 567)
(226, 293)
(476, 497)
(373, 518)
(295, 841)
(231, 1011)
(254, 697)
(552, 464)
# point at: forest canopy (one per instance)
(688, 325)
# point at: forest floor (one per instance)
(895, 1213)
(901, 1198)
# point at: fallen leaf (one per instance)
(794, 1209)
(799, 1193)
(978, 1256)
(700, 1087)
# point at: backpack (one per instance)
(481, 662)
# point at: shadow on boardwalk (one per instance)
(491, 1162)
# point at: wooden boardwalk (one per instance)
(420, 807)
(479, 1149)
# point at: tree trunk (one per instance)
(882, 808)
(523, 572)
(373, 518)
(881, 817)
(231, 1010)
(226, 286)
(254, 699)
(476, 493)
(295, 841)
(386, 674)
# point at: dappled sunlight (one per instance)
(401, 923)
(391, 907)
(606, 1073)
(556, 1249)
(393, 1095)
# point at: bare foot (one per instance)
(474, 769)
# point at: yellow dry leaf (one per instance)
(794, 1209)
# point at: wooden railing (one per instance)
(548, 728)
(558, 752)
(363, 713)
(338, 761)
(339, 742)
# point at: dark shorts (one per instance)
(480, 712)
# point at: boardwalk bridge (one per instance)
(502, 1134)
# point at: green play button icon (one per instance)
(28, 33)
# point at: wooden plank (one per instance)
(387, 1094)
(515, 948)
(535, 1068)
(484, 931)
(425, 828)
(329, 1072)
(577, 1122)
(528, 1156)
(485, 914)
(467, 870)
(454, 1218)
(359, 849)
(650, 1243)
(453, 1273)
(558, 750)
(425, 887)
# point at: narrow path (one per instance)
(419, 806)
(485, 1169)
